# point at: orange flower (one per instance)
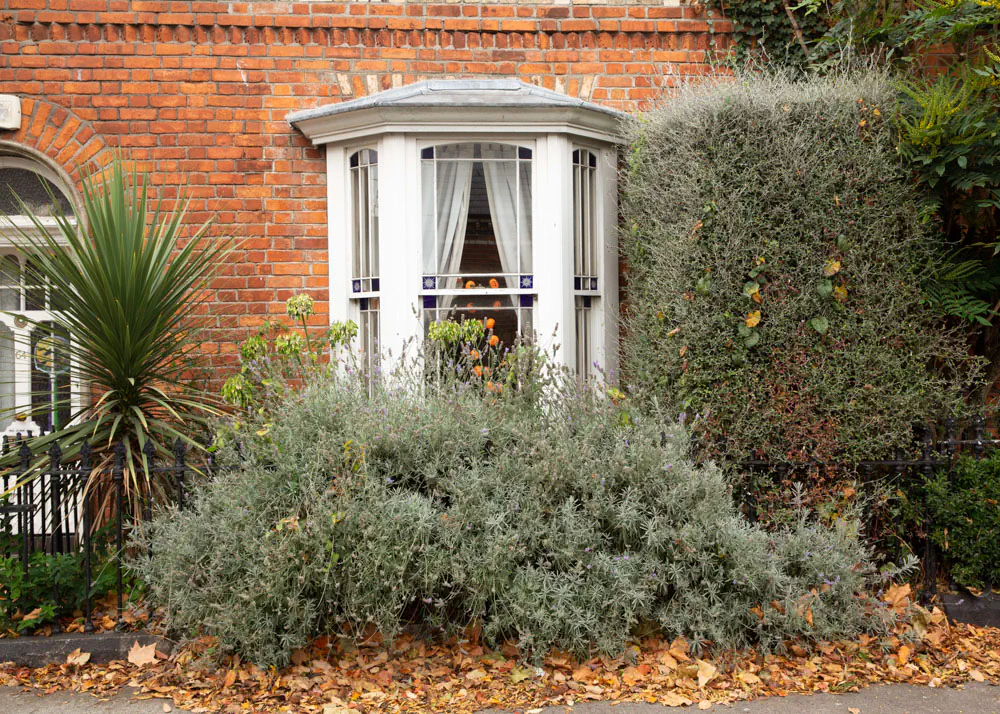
(491, 387)
(478, 370)
(471, 284)
(474, 354)
(490, 322)
(494, 340)
(494, 283)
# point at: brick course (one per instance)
(198, 92)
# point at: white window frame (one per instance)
(431, 292)
(398, 124)
(365, 252)
(11, 230)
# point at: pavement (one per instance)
(883, 699)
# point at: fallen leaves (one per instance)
(460, 675)
(76, 658)
(141, 656)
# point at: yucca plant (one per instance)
(127, 278)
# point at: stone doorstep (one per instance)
(35, 651)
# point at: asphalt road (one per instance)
(888, 699)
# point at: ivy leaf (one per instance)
(751, 341)
(751, 288)
(825, 289)
(820, 324)
(832, 268)
(753, 318)
(840, 293)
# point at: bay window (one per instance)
(488, 200)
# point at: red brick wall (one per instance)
(199, 91)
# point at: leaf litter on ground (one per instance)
(415, 674)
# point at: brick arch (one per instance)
(55, 135)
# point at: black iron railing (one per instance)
(55, 508)
(935, 448)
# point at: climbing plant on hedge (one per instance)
(776, 254)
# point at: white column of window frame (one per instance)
(398, 270)
(552, 205)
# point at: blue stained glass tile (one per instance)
(527, 300)
(586, 301)
(429, 282)
(356, 286)
(527, 281)
(593, 283)
(364, 303)
(375, 285)
(430, 302)
(576, 283)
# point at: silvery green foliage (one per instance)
(777, 251)
(557, 520)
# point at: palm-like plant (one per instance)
(127, 278)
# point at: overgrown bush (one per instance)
(964, 511)
(553, 516)
(776, 254)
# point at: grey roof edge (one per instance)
(482, 93)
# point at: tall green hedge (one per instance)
(776, 255)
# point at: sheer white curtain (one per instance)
(507, 206)
(453, 186)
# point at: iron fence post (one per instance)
(88, 625)
(27, 500)
(55, 509)
(179, 469)
(118, 476)
(930, 550)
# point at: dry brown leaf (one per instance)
(706, 673)
(167, 707)
(853, 710)
(230, 679)
(977, 675)
(141, 656)
(77, 658)
(903, 655)
(704, 705)
(748, 678)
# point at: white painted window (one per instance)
(588, 245)
(37, 392)
(365, 283)
(586, 236)
(584, 338)
(477, 235)
(477, 181)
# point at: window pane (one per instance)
(6, 377)
(10, 283)
(583, 337)
(34, 288)
(585, 232)
(503, 315)
(50, 387)
(477, 223)
(364, 216)
(428, 191)
(32, 189)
